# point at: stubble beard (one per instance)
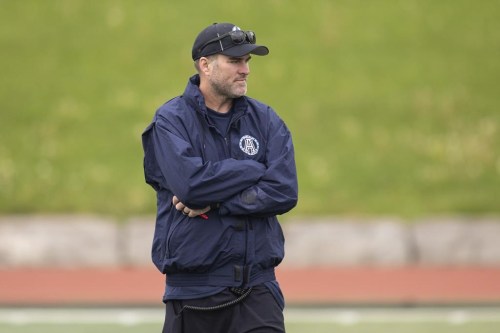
(229, 89)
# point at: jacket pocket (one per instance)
(269, 246)
(159, 248)
(198, 246)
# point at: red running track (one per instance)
(314, 286)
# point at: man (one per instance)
(223, 167)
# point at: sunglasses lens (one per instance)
(251, 37)
(238, 37)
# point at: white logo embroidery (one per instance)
(249, 145)
(235, 28)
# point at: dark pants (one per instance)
(257, 313)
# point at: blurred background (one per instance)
(393, 105)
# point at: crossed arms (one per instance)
(238, 187)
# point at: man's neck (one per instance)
(214, 101)
(221, 105)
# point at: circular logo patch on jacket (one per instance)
(249, 145)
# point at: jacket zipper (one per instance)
(227, 147)
(248, 225)
(228, 133)
(245, 257)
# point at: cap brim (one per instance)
(243, 49)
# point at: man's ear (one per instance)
(204, 65)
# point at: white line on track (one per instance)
(353, 316)
(343, 316)
(122, 316)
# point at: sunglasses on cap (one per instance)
(237, 37)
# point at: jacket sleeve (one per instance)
(171, 162)
(277, 191)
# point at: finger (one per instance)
(180, 206)
(194, 212)
(198, 212)
(175, 200)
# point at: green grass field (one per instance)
(393, 104)
(376, 320)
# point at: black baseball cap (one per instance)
(227, 39)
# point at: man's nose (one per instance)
(245, 68)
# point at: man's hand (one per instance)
(188, 211)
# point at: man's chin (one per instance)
(242, 90)
(239, 93)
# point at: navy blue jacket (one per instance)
(247, 175)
